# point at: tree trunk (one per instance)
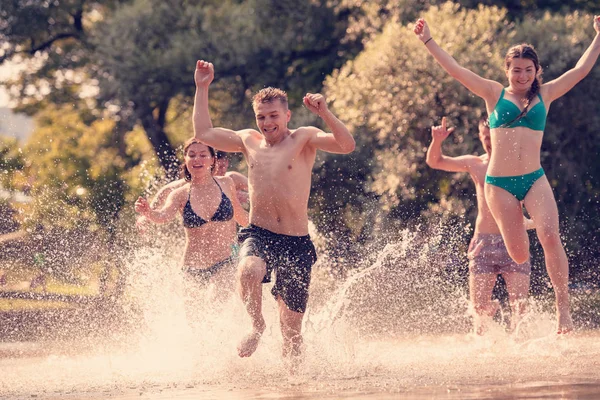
(160, 142)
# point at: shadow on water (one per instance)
(397, 324)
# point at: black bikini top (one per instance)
(224, 212)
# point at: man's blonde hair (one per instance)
(269, 95)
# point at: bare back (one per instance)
(485, 222)
(279, 181)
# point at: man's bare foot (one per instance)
(249, 343)
(565, 324)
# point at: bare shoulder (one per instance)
(225, 181)
(183, 188)
(174, 185)
(235, 175)
(179, 195)
(251, 138)
(306, 131)
(544, 89)
(480, 165)
(474, 162)
(248, 133)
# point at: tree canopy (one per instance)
(110, 84)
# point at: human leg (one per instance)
(480, 290)
(251, 271)
(291, 291)
(517, 285)
(542, 207)
(291, 330)
(508, 214)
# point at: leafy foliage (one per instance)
(393, 92)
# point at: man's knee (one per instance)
(251, 269)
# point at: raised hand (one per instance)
(440, 132)
(204, 74)
(315, 103)
(597, 23)
(142, 206)
(421, 29)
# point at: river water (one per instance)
(395, 326)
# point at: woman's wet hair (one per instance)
(183, 171)
(528, 52)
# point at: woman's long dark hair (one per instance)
(525, 51)
(183, 171)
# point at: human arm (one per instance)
(240, 180)
(561, 85)
(219, 138)
(484, 88)
(239, 213)
(339, 140)
(167, 212)
(436, 158)
(142, 223)
(241, 186)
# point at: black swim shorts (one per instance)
(292, 258)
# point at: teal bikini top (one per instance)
(506, 111)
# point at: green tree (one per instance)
(393, 92)
(11, 161)
(75, 173)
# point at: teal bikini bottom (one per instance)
(518, 185)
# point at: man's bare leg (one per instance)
(251, 272)
(291, 330)
(480, 288)
(517, 285)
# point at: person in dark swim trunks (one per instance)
(517, 121)
(290, 257)
(487, 253)
(210, 210)
(280, 162)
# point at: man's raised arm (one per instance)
(436, 158)
(219, 138)
(340, 139)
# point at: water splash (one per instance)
(398, 323)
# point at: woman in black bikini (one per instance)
(210, 210)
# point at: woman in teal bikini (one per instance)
(517, 121)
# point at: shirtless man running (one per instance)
(280, 162)
(487, 253)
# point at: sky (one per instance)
(12, 125)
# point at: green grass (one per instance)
(16, 305)
(18, 279)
